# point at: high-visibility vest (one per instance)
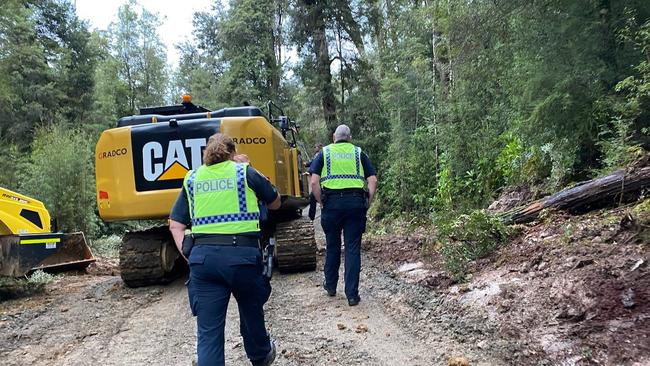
(220, 200)
(342, 167)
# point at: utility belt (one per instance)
(227, 240)
(191, 241)
(345, 193)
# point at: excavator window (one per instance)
(32, 216)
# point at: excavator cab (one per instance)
(27, 242)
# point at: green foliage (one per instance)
(106, 246)
(136, 61)
(70, 53)
(11, 154)
(444, 186)
(452, 100)
(468, 237)
(412, 175)
(60, 173)
(520, 92)
(46, 67)
(30, 94)
(622, 140)
(618, 144)
(510, 160)
(18, 287)
(39, 279)
(237, 56)
(642, 208)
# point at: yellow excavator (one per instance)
(140, 165)
(27, 242)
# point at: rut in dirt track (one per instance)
(88, 320)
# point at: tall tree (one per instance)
(140, 56)
(31, 95)
(68, 48)
(317, 24)
(47, 67)
(238, 54)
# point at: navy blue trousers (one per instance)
(216, 272)
(352, 222)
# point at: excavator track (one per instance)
(149, 257)
(296, 246)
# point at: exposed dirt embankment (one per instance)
(568, 290)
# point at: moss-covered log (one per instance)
(620, 186)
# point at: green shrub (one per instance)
(60, 173)
(107, 246)
(11, 155)
(509, 160)
(622, 138)
(16, 287)
(38, 280)
(469, 237)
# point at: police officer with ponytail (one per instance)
(219, 202)
(344, 182)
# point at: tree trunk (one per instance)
(321, 51)
(376, 22)
(274, 61)
(391, 18)
(339, 50)
(346, 20)
(610, 189)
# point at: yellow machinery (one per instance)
(140, 166)
(27, 243)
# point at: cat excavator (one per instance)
(140, 165)
(27, 242)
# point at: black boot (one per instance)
(330, 292)
(268, 360)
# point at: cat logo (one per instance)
(171, 162)
(162, 156)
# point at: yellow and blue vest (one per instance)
(342, 167)
(220, 200)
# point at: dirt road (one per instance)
(91, 319)
(538, 301)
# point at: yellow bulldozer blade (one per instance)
(23, 254)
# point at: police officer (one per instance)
(340, 174)
(219, 200)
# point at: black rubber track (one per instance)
(296, 246)
(141, 258)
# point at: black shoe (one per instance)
(354, 301)
(268, 360)
(330, 292)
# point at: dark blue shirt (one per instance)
(264, 190)
(316, 166)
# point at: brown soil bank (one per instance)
(571, 290)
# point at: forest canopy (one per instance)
(452, 100)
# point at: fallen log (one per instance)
(622, 185)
